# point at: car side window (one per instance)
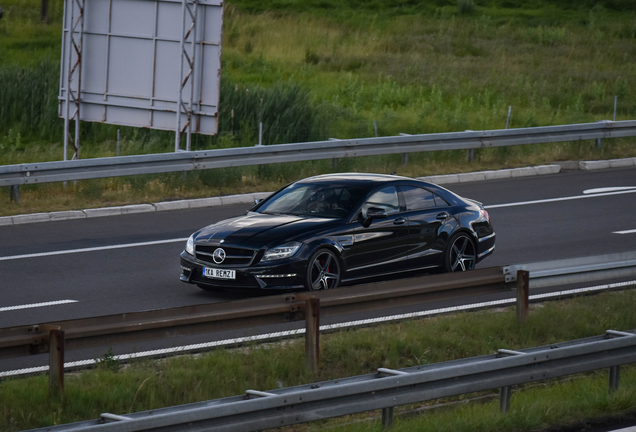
(386, 199)
(419, 199)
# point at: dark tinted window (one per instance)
(313, 199)
(386, 199)
(418, 198)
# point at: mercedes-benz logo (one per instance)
(218, 256)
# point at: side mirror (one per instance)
(374, 213)
(256, 202)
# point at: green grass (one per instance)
(312, 70)
(144, 385)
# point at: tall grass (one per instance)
(309, 76)
(285, 109)
(28, 104)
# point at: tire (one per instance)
(323, 271)
(461, 254)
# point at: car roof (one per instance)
(355, 178)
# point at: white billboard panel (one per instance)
(131, 60)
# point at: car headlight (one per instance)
(190, 245)
(280, 252)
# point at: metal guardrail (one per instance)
(56, 337)
(45, 172)
(386, 389)
(575, 270)
(206, 318)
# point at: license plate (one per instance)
(216, 273)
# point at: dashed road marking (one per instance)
(93, 249)
(633, 231)
(36, 305)
(574, 197)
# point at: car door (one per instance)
(425, 213)
(381, 244)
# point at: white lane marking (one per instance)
(625, 232)
(35, 305)
(301, 331)
(608, 189)
(93, 249)
(575, 197)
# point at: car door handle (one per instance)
(399, 221)
(442, 216)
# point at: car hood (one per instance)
(258, 229)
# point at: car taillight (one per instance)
(484, 213)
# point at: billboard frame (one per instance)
(137, 65)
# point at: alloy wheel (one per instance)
(462, 255)
(323, 271)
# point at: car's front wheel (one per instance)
(460, 253)
(323, 271)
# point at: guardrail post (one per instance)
(523, 293)
(599, 143)
(312, 333)
(56, 363)
(504, 398)
(471, 155)
(387, 417)
(405, 158)
(15, 193)
(614, 378)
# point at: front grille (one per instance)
(233, 256)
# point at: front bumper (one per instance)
(283, 274)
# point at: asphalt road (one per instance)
(536, 219)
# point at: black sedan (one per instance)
(335, 229)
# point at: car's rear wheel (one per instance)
(460, 254)
(323, 271)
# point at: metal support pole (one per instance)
(508, 118)
(615, 102)
(75, 45)
(15, 193)
(387, 417)
(405, 156)
(334, 163)
(312, 333)
(188, 36)
(523, 293)
(118, 143)
(614, 378)
(599, 143)
(375, 127)
(505, 394)
(261, 168)
(56, 363)
(471, 155)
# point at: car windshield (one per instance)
(314, 199)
